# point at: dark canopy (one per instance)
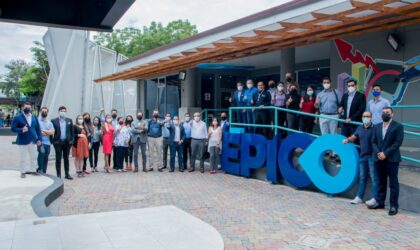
(100, 15)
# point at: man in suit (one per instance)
(62, 141)
(28, 134)
(237, 100)
(352, 106)
(175, 140)
(386, 142)
(261, 99)
(224, 124)
(139, 139)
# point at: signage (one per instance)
(243, 153)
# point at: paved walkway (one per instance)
(159, 228)
(249, 214)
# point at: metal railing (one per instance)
(275, 126)
(205, 113)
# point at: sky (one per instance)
(16, 39)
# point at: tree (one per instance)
(11, 81)
(133, 41)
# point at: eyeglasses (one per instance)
(366, 116)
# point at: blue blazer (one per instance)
(171, 137)
(225, 127)
(391, 144)
(32, 135)
(238, 101)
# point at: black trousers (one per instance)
(128, 156)
(261, 117)
(348, 129)
(306, 124)
(93, 156)
(119, 157)
(186, 151)
(388, 170)
(293, 121)
(114, 159)
(62, 151)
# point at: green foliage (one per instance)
(10, 85)
(133, 41)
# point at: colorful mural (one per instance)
(393, 75)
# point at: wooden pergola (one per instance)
(360, 17)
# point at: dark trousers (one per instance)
(387, 170)
(119, 157)
(250, 119)
(348, 129)
(114, 159)
(90, 159)
(261, 117)
(43, 153)
(128, 156)
(165, 148)
(281, 121)
(293, 121)
(93, 156)
(240, 116)
(62, 151)
(306, 124)
(142, 146)
(176, 149)
(186, 151)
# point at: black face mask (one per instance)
(128, 121)
(87, 120)
(224, 118)
(139, 117)
(271, 85)
(155, 115)
(386, 117)
(26, 110)
(114, 116)
(288, 79)
(121, 122)
(44, 114)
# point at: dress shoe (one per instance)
(393, 211)
(68, 177)
(376, 206)
(23, 175)
(171, 171)
(160, 169)
(202, 170)
(150, 169)
(137, 170)
(191, 170)
(181, 170)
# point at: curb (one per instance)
(42, 200)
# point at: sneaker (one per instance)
(371, 202)
(23, 175)
(213, 172)
(119, 170)
(356, 200)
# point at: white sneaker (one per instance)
(356, 200)
(371, 202)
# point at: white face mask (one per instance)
(80, 121)
(214, 123)
(250, 86)
(197, 119)
(326, 85)
(280, 88)
(240, 88)
(176, 122)
(62, 114)
(366, 120)
(351, 89)
(109, 120)
(310, 92)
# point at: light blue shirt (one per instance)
(187, 129)
(328, 101)
(349, 101)
(45, 125)
(165, 132)
(62, 128)
(375, 107)
(249, 94)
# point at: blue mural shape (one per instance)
(244, 153)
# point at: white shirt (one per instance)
(177, 136)
(385, 129)
(29, 119)
(198, 130)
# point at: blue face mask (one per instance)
(376, 93)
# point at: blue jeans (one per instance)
(176, 149)
(366, 164)
(43, 153)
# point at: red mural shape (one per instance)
(345, 51)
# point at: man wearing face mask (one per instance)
(224, 124)
(376, 104)
(175, 141)
(28, 135)
(249, 102)
(272, 89)
(327, 102)
(237, 100)
(364, 134)
(198, 142)
(387, 139)
(261, 99)
(139, 129)
(154, 135)
(165, 144)
(289, 80)
(47, 131)
(62, 141)
(186, 151)
(352, 106)
(114, 122)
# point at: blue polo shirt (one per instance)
(45, 124)
(365, 135)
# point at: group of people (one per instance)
(121, 138)
(380, 136)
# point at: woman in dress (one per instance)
(108, 139)
(307, 105)
(87, 123)
(80, 149)
(215, 144)
(121, 141)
